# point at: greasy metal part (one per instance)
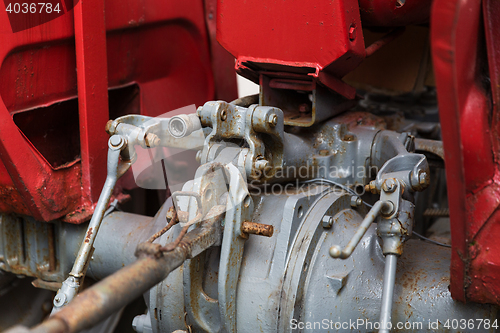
(337, 252)
(117, 290)
(257, 229)
(71, 285)
(388, 293)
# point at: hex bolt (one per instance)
(327, 221)
(389, 185)
(259, 229)
(115, 141)
(223, 115)
(356, 201)
(273, 120)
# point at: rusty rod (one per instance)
(109, 295)
(257, 229)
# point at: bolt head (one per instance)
(115, 140)
(335, 251)
(352, 32)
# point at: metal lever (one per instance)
(387, 292)
(385, 207)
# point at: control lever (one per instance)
(384, 207)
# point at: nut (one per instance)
(389, 185)
(223, 115)
(108, 127)
(273, 120)
(356, 201)
(422, 179)
(327, 221)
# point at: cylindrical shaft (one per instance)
(388, 292)
(109, 295)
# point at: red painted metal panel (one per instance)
(318, 35)
(162, 47)
(92, 73)
(469, 121)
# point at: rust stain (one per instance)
(89, 234)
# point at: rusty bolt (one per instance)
(261, 164)
(108, 127)
(389, 185)
(273, 120)
(422, 178)
(152, 140)
(223, 115)
(371, 187)
(327, 221)
(352, 33)
(257, 229)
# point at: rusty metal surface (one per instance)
(110, 294)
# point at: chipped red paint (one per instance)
(163, 47)
(469, 123)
